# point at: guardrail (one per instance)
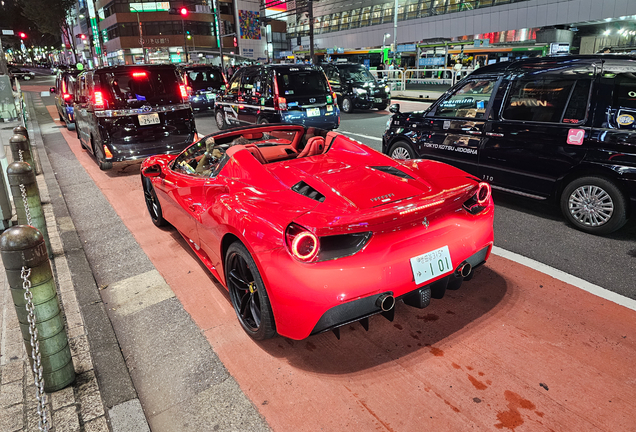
(401, 80)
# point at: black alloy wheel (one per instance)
(401, 150)
(152, 203)
(248, 294)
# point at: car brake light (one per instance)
(303, 244)
(107, 153)
(184, 92)
(483, 193)
(99, 100)
(66, 96)
(280, 103)
(139, 75)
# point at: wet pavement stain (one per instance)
(512, 418)
(450, 312)
(428, 317)
(398, 326)
(437, 352)
(456, 366)
(310, 346)
(476, 383)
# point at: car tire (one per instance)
(70, 126)
(248, 294)
(594, 205)
(402, 151)
(152, 203)
(381, 107)
(103, 164)
(220, 120)
(347, 105)
(262, 121)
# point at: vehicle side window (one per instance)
(235, 83)
(544, 100)
(624, 103)
(248, 82)
(468, 101)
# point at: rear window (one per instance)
(134, 88)
(204, 79)
(302, 83)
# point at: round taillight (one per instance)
(305, 246)
(483, 193)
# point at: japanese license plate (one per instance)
(313, 112)
(377, 100)
(148, 119)
(431, 264)
(210, 96)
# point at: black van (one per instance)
(356, 87)
(203, 84)
(551, 127)
(296, 94)
(131, 112)
(64, 93)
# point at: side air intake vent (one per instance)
(306, 190)
(393, 171)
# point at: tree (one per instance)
(51, 17)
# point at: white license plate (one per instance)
(313, 112)
(148, 119)
(210, 96)
(431, 264)
(377, 100)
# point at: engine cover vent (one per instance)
(393, 171)
(304, 189)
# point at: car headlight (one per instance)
(387, 89)
(359, 91)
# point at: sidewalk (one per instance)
(141, 362)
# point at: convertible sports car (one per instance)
(310, 230)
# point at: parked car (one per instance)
(203, 83)
(553, 127)
(131, 112)
(64, 93)
(277, 214)
(356, 87)
(295, 94)
(21, 74)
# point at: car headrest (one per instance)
(315, 146)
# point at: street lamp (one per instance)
(386, 35)
(141, 36)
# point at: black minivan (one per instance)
(131, 112)
(551, 127)
(355, 87)
(203, 83)
(297, 94)
(64, 93)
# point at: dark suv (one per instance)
(64, 93)
(296, 94)
(203, 83)
(356, 87)
(131, 112)
(552, 127)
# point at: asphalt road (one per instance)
(533, 229)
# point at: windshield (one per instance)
(357, 73)
(134, 87)
(302, 83)
(204, 79)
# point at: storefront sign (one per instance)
(406, 47)
(432, 61)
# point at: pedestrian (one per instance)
(380, 69)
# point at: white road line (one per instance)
(360, 135)
(567, 278)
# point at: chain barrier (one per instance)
(21, 157)
(40, 395)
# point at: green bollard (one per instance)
(21, 173)
(23, 246)
(20, 146)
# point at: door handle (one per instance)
(493, 134)
(473, 132)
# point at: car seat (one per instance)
(315, 146)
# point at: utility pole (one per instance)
(3, 61)
(395, 14)
(311, 30)
(218, 32)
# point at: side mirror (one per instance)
(152, 171)
(394, 108)
(52, 89)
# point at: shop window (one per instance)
(344, 21)
(365, 16)
(335, 22)
(355, 19)
(376, 15)
(540, 100)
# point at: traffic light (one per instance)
(183, 11)
(235, 42)
(22, 35)
(81, 36)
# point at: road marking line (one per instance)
(567, 278)
(360, 135)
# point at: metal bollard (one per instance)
(21, 150)
(23, 247)
(21, 130)
(24, 187)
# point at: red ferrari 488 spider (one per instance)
(310, 230)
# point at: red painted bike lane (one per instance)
(513, 349)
